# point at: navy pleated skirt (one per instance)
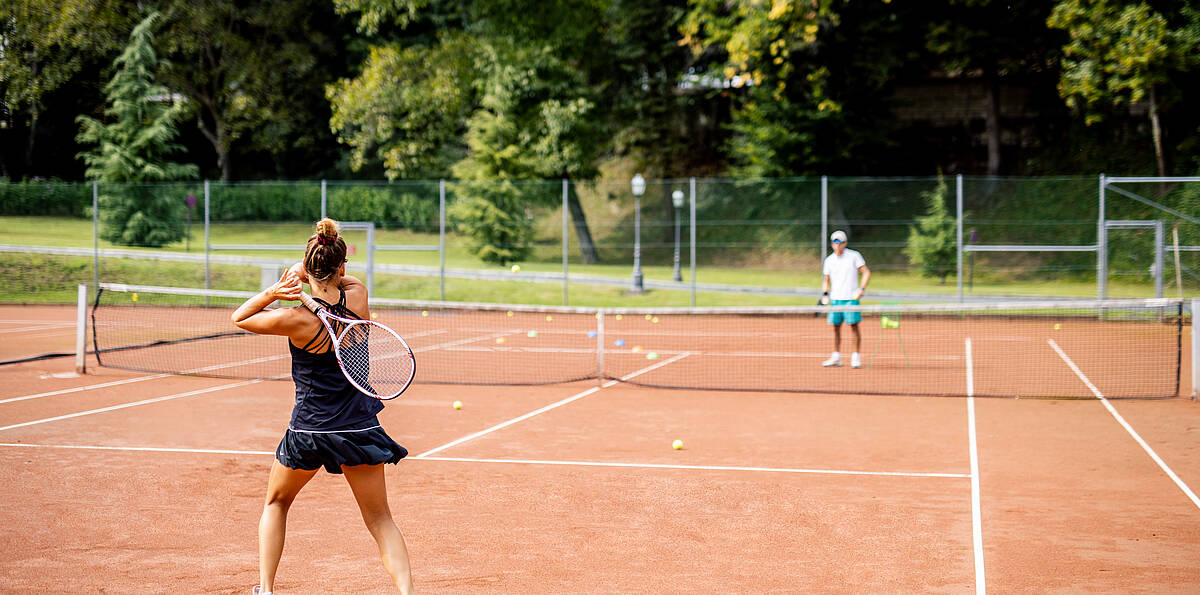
(310, 450)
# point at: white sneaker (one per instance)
(834, 361)
(855, 361)
(258, 591)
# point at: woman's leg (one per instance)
(282, 488)
(367, 483)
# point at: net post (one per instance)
(599, 347)
(1195, 352)
(81, 329)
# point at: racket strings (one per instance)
(376, 360)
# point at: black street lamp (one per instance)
(639, 188)
(677, 200)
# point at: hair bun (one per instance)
(327, 229)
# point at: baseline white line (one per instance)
(565, 401)
(1128, 428)
(84, 388)
(133, 404)
(514, 461)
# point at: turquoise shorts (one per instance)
(836, 318)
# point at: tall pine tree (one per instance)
(933, 242)
(133, 148)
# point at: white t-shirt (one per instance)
(843, 273)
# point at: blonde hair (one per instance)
(325, 253)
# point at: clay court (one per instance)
(124, 481)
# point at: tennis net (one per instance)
(1056, 349)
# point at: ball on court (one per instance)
(654, 320)
(424, 312)
(374, 315)
(133, 297)
(591, 334)
(458, 404)
(510, 313)
(500, 339)
(1057, 326)
(618, 316)
(619, 342)
(549, 319)
(516, 268)
(648, 317)
(677, 445)
(531, 334)
(651, 355)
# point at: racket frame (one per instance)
(325, 316)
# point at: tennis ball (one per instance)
(549, 319)
(651, 355)
(510, 313)
(133, 297)
(677, 445)
(458, 404)
(516, 268)
(618, 316)
(531, 334)
(654, 320)
(619, 342)
(648, 317)
(1057, 326)
(500, 339)
(374, 315)
(424, 312)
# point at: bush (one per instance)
(932, 243)
(45, 198)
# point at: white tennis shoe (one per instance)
(834, 361)
(855, 360)
(258, 591)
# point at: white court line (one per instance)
(1128, 428)
(40, 327)
(133, 404)
(569, 399)
(976, 508)
(515, 461)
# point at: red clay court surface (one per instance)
(131, 482)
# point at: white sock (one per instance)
(837, 355)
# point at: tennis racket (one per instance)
(374, 358)
(822, 301)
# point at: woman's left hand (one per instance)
(287, 287)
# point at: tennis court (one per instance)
(124, 481)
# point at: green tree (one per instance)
(1122, 53)
(134, 147)
(932, 242)
(43, 45)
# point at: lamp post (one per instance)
(639, 188)
(677, 200)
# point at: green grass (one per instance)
(44, 278)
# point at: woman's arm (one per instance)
(251, 316)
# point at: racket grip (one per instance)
(825, 298)
(309, 303)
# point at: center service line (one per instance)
(976, 509)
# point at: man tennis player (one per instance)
(333, 425)
(840, 286)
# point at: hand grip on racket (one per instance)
(374, 358)
(822, 301)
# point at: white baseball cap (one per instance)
(838, 235)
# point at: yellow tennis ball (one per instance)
(1057, 326)
(677, 445)
(458, 404)
(510, 313)
(654, 320)
(618, 316)
(500, 339)
(648, 317)
(374, 315)
(133, 297)
(516, 268)
(549, 319)
(424, 312)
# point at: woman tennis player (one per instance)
(333, 425)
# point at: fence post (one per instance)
(1159, 248)
(324, 200)
(692, 191)
(442, 234)
(96, 234)
(207, 239)
(824, 219)
(958, 192)
(1101, 246)
(564, 238)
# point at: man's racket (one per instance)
(822, 301)
(374, 358)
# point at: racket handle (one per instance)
(309, 303)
